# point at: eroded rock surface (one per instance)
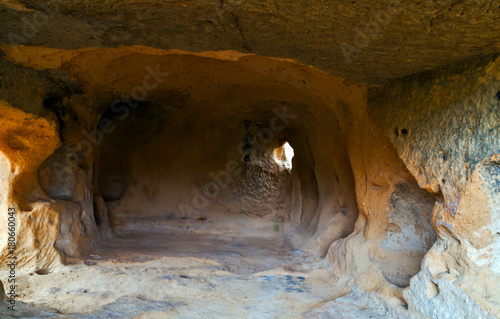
(363, 41)
(60, 175)
(127, 158)
(459, 166)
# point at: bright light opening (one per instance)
(283, 156)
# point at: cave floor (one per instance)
(148, 275)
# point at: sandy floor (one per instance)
(145, 275)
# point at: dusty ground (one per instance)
(153, 275)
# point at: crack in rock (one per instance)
(245, 45)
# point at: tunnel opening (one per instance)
(248, 164)
(167, 175)
(283, 156)
(219, 151)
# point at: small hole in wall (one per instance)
(41, 272)
(497, 95)
(52, 102)
(97, 215)
(404, 304)
(401, 131)
(246, 158)
(283, 156)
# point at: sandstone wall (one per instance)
(396, 184)
(445, 127)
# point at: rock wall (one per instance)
(445, 127)
(25, 142)
(361, 41)
(394, 229)
(397, 185)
